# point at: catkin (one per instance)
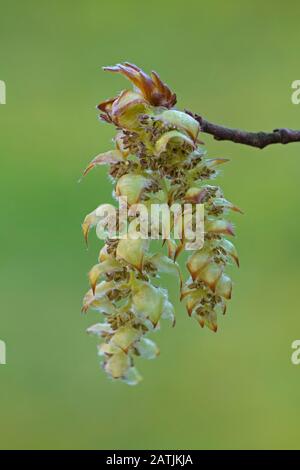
(157, 158)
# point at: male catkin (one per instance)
(157, 157)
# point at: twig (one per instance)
(254, 139)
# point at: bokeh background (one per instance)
(232, 61)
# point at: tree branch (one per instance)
(254, 139)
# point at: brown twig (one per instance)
(254, 139)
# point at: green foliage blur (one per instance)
(231, 61)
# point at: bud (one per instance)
(101, 304)
(182, 121)
(175, 138)
(210, 275)
(131, 186)
(119, 141)
(132, 251)
(165, 265)
(168, 311)
(224, 287)
(196, 195)
(104, 255)
(95, 299)
(132, 377)
(127, 108)
(125, 337)
(107, 349)
(99, 329)
(117, 365)
(219, 226)
(113, 156)
(213, 162)
(150, 87)
(92, 219)
(224, 204)
(197, 262)
(148, 301)
(194, 298)
(147, 348)
(230, 250)
(109, 266)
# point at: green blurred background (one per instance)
(232, 61)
